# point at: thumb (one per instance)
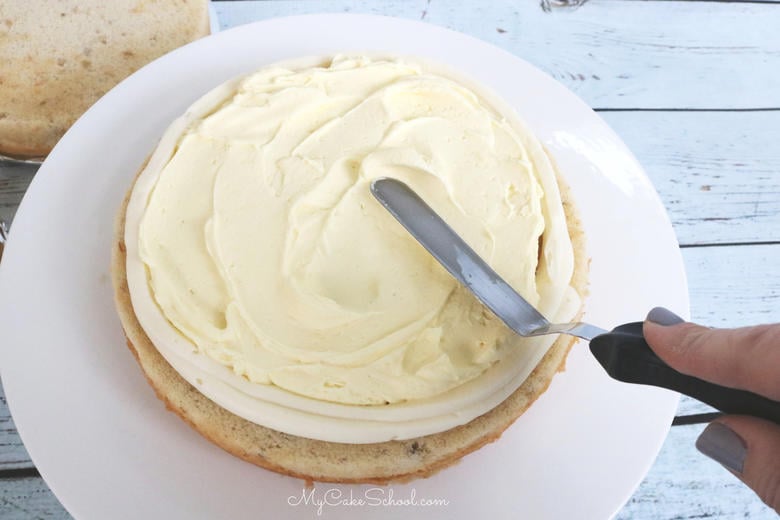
(750, 448)
(747, 358)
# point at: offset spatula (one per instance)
(623, 352)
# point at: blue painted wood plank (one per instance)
(12, 453)
(29, 498)
(683, 484)
(613, 54)
(718, 173)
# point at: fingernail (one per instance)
(720, 443)
(665, 317)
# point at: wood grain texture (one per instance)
(12, 452)
(613, 54)
(718, 173)
(683, 484)
(27, 499)
(14, 180)
(734, 286)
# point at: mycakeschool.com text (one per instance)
(337, 498)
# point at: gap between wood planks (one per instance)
(730, 244)
(756, 109)
(715, 1)
(548, 5)
(19, 473)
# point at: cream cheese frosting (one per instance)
(264, 271)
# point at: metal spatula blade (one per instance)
(623, 352)
(467, 266)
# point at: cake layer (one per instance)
(262, 269)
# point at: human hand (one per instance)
(747, 358)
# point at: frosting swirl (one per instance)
(253, 239)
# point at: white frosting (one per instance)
(265, 273)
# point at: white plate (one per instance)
(109, 449)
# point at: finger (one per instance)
(746, 358)
(750, 448)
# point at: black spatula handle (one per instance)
(626, 356)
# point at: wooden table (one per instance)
(693, 88)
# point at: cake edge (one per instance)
(313, 460)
